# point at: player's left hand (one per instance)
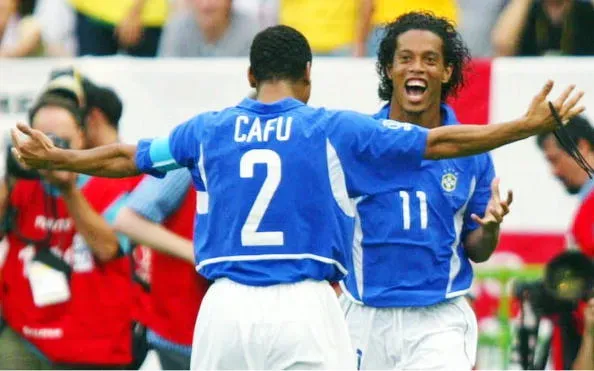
(35, 151)
(496, 209)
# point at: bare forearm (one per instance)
(585, 357)
(95, 230)
(114, 161)
(509, 26)
(154, 235)
(481, 243)
(466, 140)
(364, 21)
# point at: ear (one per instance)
(251, 78)
(307, 76)
(447, 74)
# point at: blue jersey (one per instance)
(275, 184)
(408, 248)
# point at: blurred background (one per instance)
(169, 59)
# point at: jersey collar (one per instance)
(586, 189)
(278, 106)
(447, 112)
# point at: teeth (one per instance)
(416, 83)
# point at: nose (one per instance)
(416, 65)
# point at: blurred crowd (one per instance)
(225, 28)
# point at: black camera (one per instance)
(569, 278)
(14, 169)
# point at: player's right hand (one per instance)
(35, 150)
(539, 115)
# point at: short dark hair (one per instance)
(57, 100)
(279, 53)
(104, 99)
(455, 52)
(578, 128)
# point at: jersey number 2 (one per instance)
(249, 232)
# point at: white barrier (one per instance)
(159, 94)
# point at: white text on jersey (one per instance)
(255, 131)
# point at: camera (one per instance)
(568, 279)
(14, 169)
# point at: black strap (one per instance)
(568, 143)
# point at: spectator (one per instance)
(385, 11)
(576, 181)
(66, 286)
(58, 36)
(210, 29)
(166, 305)
(477, 19)
(106, 27)
(534, 28)
(263, 12)
(20, 34)
(333, 28)
(99, 324)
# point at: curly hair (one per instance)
(278, 53)
(455, 52)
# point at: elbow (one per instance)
(438, 151)
(107, 252)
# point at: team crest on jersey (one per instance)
(449, 180)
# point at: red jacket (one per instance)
(171, 304)
(94, 326)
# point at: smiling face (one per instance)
(418, 71)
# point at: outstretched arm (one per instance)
(466, 140)
(37, 151)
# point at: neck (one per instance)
(269, 92)
(107, 136)
(213, 34)
(430, 118)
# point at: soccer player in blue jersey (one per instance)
(404, 301)
(274, 218)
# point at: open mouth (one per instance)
(415, 88)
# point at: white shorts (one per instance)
(438, 337)
(290, 326)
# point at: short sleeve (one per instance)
(156, 199)
(482, 192)
(180, 149)
(375, 155)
